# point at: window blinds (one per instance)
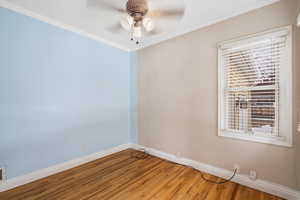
(251, 73)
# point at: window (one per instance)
(255, 88)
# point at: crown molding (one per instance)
(179, 32)
(26, 12)
(235, 13)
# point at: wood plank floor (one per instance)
(122, 176)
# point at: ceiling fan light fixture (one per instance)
(148, 24)
(126, 22)
(137, 32)
(137, 17)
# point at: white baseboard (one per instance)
(262, 185)
(27, 178)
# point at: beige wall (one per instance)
(178, 98)
(297, 93)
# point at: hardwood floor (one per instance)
(122, 176)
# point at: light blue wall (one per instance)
(134, 98)
(62, 96)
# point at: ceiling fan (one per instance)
(138, 17)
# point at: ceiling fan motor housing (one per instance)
(137, 8)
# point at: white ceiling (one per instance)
(93, 22)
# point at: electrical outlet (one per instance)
(2, 174)
(252, 175)
(237, 168)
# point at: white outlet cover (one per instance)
(252, 175)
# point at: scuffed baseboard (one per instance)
(33, 176)
(262, 185)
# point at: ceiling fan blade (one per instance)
(115, 28)
(155, 31)
(101, 4)
(175, 13)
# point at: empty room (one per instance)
(150, 100)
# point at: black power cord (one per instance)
(221, 182)
(142, 154)
(211, 181)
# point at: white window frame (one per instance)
(285, 85)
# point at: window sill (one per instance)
(279, 141)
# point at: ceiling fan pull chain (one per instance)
(131, 34)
